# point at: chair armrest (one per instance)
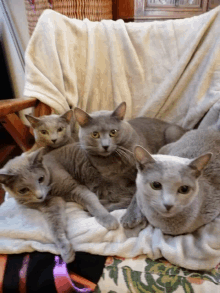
(15, 105)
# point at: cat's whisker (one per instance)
(126, 150)
(123, 153)
(117, 152)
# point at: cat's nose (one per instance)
(53, 140)
(105, 147)
(168, 207)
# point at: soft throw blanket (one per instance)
(26, 230)
(168, 69)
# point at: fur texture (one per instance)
(109, 141)
(173, 207)
(53, 130)
(46, 182)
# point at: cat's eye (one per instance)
(60, 129)
(23, 190)
(156, 185)
(41, 179)
(113, 132)
(184, 189)
(43, 131)
(95, 134)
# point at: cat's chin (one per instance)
(105, 154)
(168, 214)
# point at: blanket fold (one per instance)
(26, 230)
(164, 69)
(169, 70)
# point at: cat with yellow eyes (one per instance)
(109, 142)
(53, 131)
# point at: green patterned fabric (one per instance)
(144, 275)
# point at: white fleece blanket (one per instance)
(164, 69)
(26, 230)
(169, 70)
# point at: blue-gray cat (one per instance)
(46, 181)
(109, 141)
(53, 130)
(178, 190)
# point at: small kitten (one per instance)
(53, 130)
(109, 141)
(178, 191)
(46, 182)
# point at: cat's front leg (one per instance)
(133, 216)
(91, 203)
(54, 211)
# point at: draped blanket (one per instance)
(168, 70)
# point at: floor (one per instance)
(8, 150)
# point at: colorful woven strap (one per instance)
(3, 262)
(23, 274)
(62, 279)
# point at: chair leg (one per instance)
(20, 132)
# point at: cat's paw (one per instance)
(108, 221)
(67, 252)
(132, 220)
(135, 231)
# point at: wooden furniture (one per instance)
(146, 10)
(12, 123)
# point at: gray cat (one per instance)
(53, 130)
(109, 141)
(46, 182)
(177, 192)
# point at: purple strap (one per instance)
(62, 278)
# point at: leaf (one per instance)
(170, 283)
(134, 283)
(187, 287)
(158, 288)
(113, 274)
(117, 261)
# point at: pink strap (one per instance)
(3, 262)
(23, 274)
(62, 279)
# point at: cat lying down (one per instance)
(178, 191)
(46, 182)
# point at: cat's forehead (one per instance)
(171, 160)
(51, 121)
(103, 120)
(170, 169)
(21, 166)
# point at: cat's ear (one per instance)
(67, 116)
(200, 162)
(6, 178)
(33, 120)
(37, 156)
(142, 157)
(120, 111)
(82, 117)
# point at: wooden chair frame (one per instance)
(10, 120)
